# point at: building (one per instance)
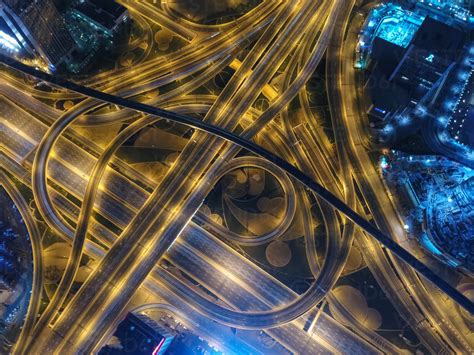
(461, 124)
(383, 43)
(139, 334)
(427, 60)
(450, 11)
(107, 17)
(387, 33)
(38, 28)
(412, 56)
(451, 224)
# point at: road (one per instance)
(344, 90)
(140, 226)
(149, 217)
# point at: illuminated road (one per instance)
(148, 217)
(73, 184)
(119, 259)
(341, 77)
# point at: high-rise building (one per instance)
(413, 57)
(107, 17)
(450, 222)
(137, 334)
(461, 123)
(426, 61)
(39, 28)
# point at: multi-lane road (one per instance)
(138, 221)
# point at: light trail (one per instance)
(282, 164)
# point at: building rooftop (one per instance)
(103, 12)
(437, 37)
(399, 26)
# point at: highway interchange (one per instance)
(163, 221)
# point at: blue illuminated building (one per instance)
(36, 27)
(8, 41)
(7, 264)
(107, 17)
(389, 24)
(412, 56)
(455, 11)
(436, 196)
(461, 123)
(450, 224)
(426, 61)
(35, 31)
(399, 26)
(10, 252)
(137, 334)
(16, 271)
